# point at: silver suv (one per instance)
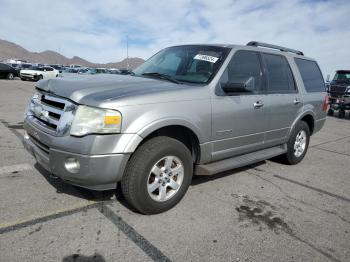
(191, 109)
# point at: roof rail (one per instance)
(281, 48)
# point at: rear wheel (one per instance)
(297, 144)
(157, 175)
(10, 76)
(330, 112)
(341, 114)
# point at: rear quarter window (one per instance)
(311, 75)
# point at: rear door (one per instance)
(238, 119)
(49, 71)
(283, 99)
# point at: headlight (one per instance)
(348, 89)
(89, 120)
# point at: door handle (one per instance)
(258, 104)
(296, 101)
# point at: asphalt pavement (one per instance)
(265, 212)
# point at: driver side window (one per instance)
(244, 68)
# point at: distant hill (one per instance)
(11, 50)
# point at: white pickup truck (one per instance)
(38, 72)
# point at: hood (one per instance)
(342, 82)
(29, 71)
(95, 90)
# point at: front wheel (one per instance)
(298, 143)
(10, 76)
(330, 112)
(157, 175)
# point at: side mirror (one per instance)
(239, 87)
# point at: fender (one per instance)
(164, 122)
(300, 116)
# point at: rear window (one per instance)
(311, 75)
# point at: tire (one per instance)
(330, 112)
(23, 79)
(145, 170)
(293, 156)
(341, 114)
(10, 76)
(40, 77)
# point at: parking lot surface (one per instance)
(265, 212)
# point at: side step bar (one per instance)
(239, 161)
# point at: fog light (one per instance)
(72, 165)
(26, 136)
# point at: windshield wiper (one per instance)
(162, 76)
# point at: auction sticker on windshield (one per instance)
(208, 58)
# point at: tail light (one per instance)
(325, 103)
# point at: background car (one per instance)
(125, 71)
(7, 71)
(37, 72)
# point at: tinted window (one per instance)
(3, 66)
(48, 69)
(279, 75)
(311, 75)
(193, 64)
(244, 67)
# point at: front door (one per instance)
(238, 118)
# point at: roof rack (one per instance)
(281, 48)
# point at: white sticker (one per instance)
(208, 58)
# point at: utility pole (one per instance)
(127, 52)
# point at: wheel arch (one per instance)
(179, 130)
(308, 117)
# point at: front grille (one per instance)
(27, 75)
(47, 111)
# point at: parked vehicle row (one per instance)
(35, 72)
(92, 71)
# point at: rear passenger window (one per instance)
(279, 75)
(311, 75)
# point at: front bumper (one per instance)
(28, 76)
(99, 171)
(342, 102)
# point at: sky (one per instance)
(97, 30)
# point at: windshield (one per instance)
(342, 76)
(193, 64)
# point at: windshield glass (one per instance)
(193, 64)
(342, 76)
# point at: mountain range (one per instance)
(9, 50)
